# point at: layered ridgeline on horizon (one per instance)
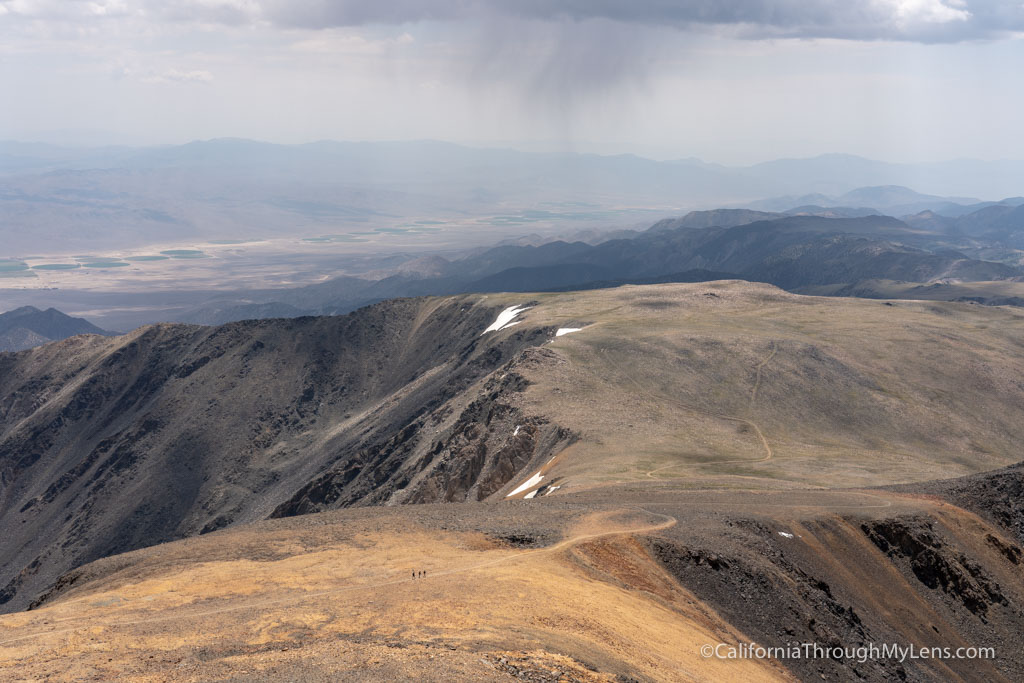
(972, 252)
(120, 197)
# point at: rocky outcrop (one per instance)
(461, 451)
(936, 565)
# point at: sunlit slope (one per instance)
(744, 385)
(331, 597)
(627, 582)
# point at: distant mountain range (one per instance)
(893, 200)
(795, 252)
(805, 248)
(28, 326)
(229, 188)
(437, 163)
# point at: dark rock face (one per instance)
(108, 445)
(848, 583)
(442, 456)
(775, 601)
(934, 564)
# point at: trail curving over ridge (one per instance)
(667, 522)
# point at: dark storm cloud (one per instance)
(911, 20)
(562, 65)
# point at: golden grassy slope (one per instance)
(336, 602)
(330, 597)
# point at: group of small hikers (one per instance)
(419, 574)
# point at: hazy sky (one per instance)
(731, 81)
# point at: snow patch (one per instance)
(552, 489)
(567, 330)
(783, 533)
(505, 318)
(516, 432)
(530, 495)
(532, 481)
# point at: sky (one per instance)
(727, 81)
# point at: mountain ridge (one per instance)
(28, 326)
(123, 417)
(411, 401)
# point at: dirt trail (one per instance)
(768, 454)
(667, 521)
(760, 367)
